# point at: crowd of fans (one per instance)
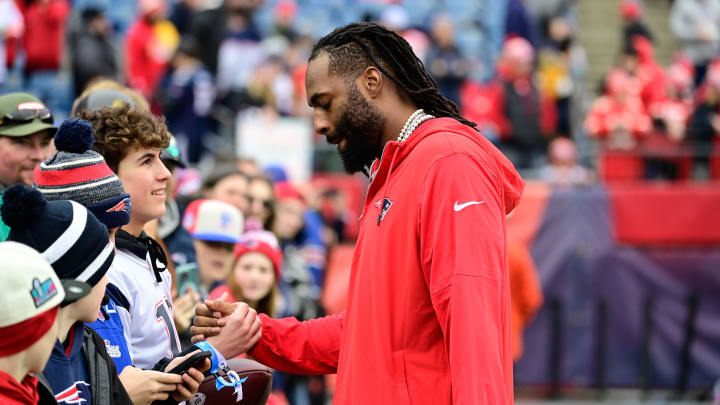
(516, 68)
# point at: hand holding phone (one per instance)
(196, 360)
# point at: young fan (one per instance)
(256, 273)
(78, 248)
(131, 141)
(79, 174)
(215, 227)
(30, 297)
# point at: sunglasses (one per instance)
(266, 203)
(24, 115)
(219, 245)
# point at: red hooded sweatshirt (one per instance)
(428, 315)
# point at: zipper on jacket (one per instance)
(372, 179)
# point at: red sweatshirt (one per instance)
(145, 60)
(13, 392)
(45, 34)
(428, 314)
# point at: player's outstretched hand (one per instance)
(209, 317)
(191, 380)
(146, 386)
(242, 330)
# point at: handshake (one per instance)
(232, 328)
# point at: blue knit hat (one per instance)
(75, 243)
(78, 173)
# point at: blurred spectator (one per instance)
(256, 272)
(519, 23)
(216, 227)
(525, 291)
(272, 86)
(44, 44)
(93, 55)
(229, 21)
(522, 104)
(182, 14)
(26, 129)
(150, 43)
(261, 200)
(563, 167)
(632, 15)
(255, 278)
(555, 73)
(673, 111)
(444, 60)
(648, 72)
(618, 117)
(704, 124)
(696, 24)
(303, 271)
(186, 95)
(665, 148)
(176, 239)
(230, 185)
(239, 51)
(99, 99)
(12, 26)
(284, 15)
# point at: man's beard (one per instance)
(361, 125)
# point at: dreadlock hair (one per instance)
(354, 47)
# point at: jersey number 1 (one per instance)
(161, 314)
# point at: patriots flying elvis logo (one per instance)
(72, 394)
(123, 205)
(384, 206)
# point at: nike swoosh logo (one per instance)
(460, 207)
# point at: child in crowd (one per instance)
(256, 273)
(78, 248)
(79, 174)
(29, 302)
(215, 227)
(131, 141)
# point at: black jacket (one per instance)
(105, 385)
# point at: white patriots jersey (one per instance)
(148, 324)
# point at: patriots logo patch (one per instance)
(384, 206)
(225, 220)
(123, 205)
(72, 394)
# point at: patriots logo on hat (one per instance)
(123, 205)
(42, 292)
(72, 394)
(225, 220)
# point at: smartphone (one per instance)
(195, 360)
(187, 278)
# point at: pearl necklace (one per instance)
(416, 118)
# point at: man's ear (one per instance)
(372, 81)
